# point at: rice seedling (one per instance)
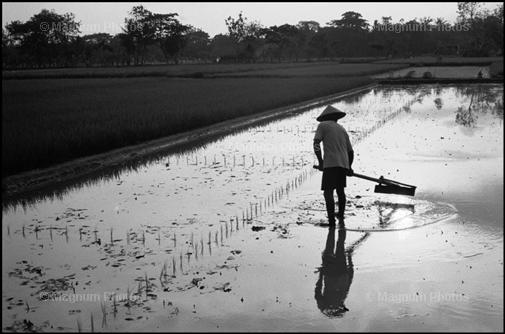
(147, 283)
(114, 304)
(103, 308)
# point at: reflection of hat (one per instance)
(335, 311)
(330, 113)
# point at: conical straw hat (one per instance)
(330, 113)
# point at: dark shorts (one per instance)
(333, 178)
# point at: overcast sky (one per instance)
(109, 16)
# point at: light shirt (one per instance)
(336, 144)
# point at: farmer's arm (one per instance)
(350, 154)
(317, 151)
(318, 137)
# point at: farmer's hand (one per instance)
(350, 172)
(318, 167)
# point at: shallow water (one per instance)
(192, 224)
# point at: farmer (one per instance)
(338, 158)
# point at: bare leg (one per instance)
(330, 205)
(341, 201)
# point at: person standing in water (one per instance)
(337, 162)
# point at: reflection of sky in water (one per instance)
(449, 161)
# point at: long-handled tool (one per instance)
(387, 186)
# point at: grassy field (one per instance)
(203, 70)
(322, 70)
(432, 60)
(47, 121)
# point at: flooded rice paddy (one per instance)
(231, 235)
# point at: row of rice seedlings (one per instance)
(194, 161)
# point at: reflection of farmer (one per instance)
(335, 276)
(338, 158)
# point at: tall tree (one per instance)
(197, 44)
(139, 33)
(246, 36)
(468, 11)
(170, 34)
(350, 21)
(44, 36)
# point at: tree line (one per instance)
(49, 39)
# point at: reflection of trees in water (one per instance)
(483, 100)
